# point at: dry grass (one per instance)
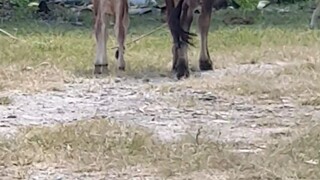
(99, 145)
(36, 78)
(298, 80)
(294, 75)
(5, 100)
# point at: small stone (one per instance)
(146, 80)
(117, 80)
(27, 68)
(12, 116)
(59, 178)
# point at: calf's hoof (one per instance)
(205, 65)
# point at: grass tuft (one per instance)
(5, 100)
(99, 145)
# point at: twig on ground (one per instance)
(144, 35)
(197, 135)
(8, 34)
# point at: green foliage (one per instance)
(21, 9)
(251, 4)
(21, 3)
(247, 4)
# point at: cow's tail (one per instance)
(174, 21)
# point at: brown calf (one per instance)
(103, 10)
(179, 18)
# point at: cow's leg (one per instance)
(101, 34)
(180, 54)
(120, 29)
(181, 65)
(175, 58)
(205, 62)
(186, 21)
(181, 38)
(174, 49)
(314, 16)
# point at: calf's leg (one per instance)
(120, 29)
(101, 36)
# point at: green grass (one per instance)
(72, 48)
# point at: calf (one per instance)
(103, 10)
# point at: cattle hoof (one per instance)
(205, 65)
(182, 71)
(100, 69)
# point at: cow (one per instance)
(103, 10)
(264, 3)
(180, 14)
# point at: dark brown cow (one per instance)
(179, 17)
(103, 10)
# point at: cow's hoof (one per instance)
(182, 70)
(205, 65)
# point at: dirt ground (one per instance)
(168, 107)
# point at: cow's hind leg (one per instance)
(101, 34)
(180, 54)
(181, 37)
(205, 62)
(120, 29)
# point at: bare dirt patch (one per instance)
(169, 108)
